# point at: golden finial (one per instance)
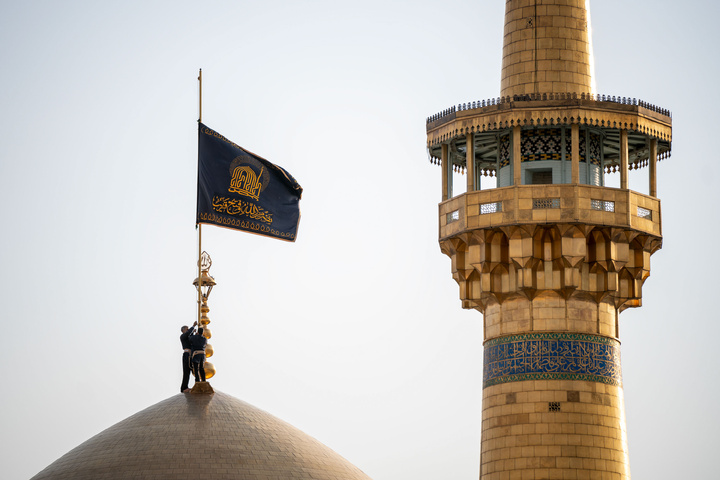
(205, 283)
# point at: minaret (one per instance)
(548, 254)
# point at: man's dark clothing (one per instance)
(185, 341)
(197, 345)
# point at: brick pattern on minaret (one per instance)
(546, 48)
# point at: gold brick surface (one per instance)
(554, 40)
(586, 438)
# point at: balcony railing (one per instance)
(545, 97)
(546, 204)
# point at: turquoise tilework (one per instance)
(552, 356)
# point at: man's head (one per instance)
(200, 331)
(184, 328)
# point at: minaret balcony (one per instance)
(547, 204)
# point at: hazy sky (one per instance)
(354, 333)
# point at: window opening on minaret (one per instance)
(541, 177)
(545, 156)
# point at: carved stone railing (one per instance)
(540, 204)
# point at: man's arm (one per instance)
(189, 331)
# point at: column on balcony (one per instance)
(624, 159)
(446, 173)
(575, 154)
(470, 161)
(653, 167)
(516, 155)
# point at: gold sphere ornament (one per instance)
(204, 320)
(207, 333)
(209, 370)
(209, 351)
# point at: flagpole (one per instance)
(200, 84)
(199, 301)
(199, 225)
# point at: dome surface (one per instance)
(209, 436)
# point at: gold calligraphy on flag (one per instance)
(245, 182)
(237, 207)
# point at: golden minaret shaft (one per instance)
(544, 249)
(546, 48)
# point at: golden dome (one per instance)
(208, 436)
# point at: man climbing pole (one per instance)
(198, 343)
(185, 341)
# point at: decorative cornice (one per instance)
(528, 111)
(543, 97)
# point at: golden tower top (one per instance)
(546, 47)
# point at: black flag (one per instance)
(237, 189)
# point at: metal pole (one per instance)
(199, 225)
(200, 99)
(199, 273)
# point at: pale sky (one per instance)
(354, 333)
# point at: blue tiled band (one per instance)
(552, 356)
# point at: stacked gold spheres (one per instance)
(205, 321)
(205, 283)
